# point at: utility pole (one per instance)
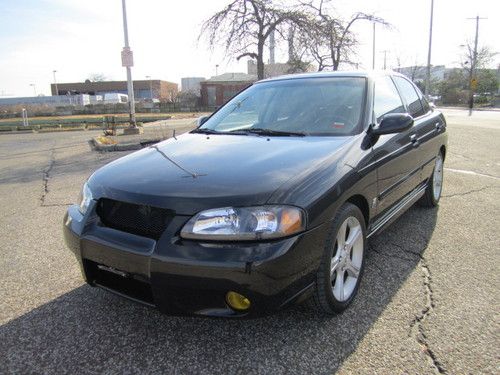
(128, 62)
(55, 81)
(473, 68)
(385, 58)
(373, 48)
(428, 71)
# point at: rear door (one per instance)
(396, 155)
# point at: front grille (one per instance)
(146, 221)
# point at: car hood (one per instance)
(196, 172)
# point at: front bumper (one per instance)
(190, 277)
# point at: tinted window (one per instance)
(425, 103)
(410, 96)
(316, 106)
(387, 99)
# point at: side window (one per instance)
(387, 99)
(410, 96)
(425, 103)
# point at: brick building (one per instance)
(161, 90)
(220, 89)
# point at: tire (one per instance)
(434, 184)
(341, 268)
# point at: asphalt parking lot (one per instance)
(428, 301)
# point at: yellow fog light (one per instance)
(237, 301)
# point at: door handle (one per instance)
(438, 126)
(414, 140)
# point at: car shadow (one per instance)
(89, 330)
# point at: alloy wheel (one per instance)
(347, 259)
(437, 178)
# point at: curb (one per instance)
(95, 145)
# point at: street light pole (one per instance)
(428, 71)
(385, 58)
(128, 62)
(55, 81)
(34, 88)
(373, 47)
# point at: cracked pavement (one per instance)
(428, 302)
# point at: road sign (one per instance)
(127, 57)
(473, 84)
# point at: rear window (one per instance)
(410, 96)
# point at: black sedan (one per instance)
(269, 202)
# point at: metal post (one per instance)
(428, 71)
(373, 46)
(24, 115)
(385, 58)
(55, 82)
(473, 68)
(128, 63)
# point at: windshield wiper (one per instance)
(270, 132)
(204, 131)
(211, 131)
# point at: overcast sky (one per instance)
(78, 38)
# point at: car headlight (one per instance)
(245, 223)
(85, 198)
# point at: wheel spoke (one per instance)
(338, 289)
(333, 267)
(341, 235)
(352, 270)
(354, 236)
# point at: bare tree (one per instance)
(331, 39)
(471, 62)
(244, 26)
(483, 58)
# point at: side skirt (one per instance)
(397, 210)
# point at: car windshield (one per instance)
(307, 106)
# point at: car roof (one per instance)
(329, 74)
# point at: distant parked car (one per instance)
(115, 98)
(270, 201)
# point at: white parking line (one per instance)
(463, 171)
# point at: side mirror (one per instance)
(201, 120)
(393, 123)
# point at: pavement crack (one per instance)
(469, 192)
(46, 177)
(416, 326)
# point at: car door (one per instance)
(396, 155)
(426, 126)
